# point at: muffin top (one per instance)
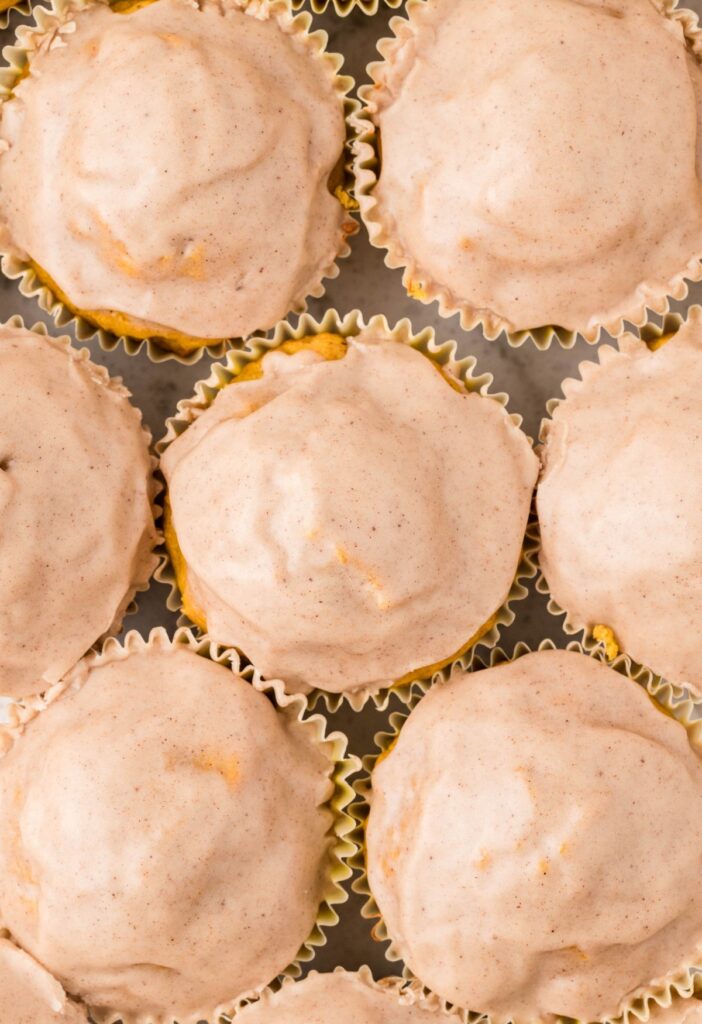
(557, 120)
(203, 833)
(347, 521)
(172, 163)
(29, 995)
(340, 998)
(620, 497)
(76, 528)
(532, 837)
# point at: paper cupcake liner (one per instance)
(679, 1006)
(333, 745)
(344, 7)
(22, 7)
(651, 333)
(17, 266)
(382, 234)
(443, 354)
(409, 992)
(663, 991)
(129, 604)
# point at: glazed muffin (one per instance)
(203, 827)
(29, 995)
(343, 997)
(345, 514)
(76, 526)
(154, 217)
(558, 113)
(533, 839)
(620, 497)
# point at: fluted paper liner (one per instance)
(382, 233)
(22, 7)
(296, 708)
(441, 353)
(114, 384)
(344, 7)
(651, 334)
(662, 991)
(17, 265)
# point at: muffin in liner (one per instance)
(128, 605)
(601, 637)
(407, 993)
(121, 329)
(662, 992)
(367, 149)
(443, 355)
(333, 745)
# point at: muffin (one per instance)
(29, 995)
(343, 513)
(76, 526)
(204, 826)
(343, 997)
(532, 217)
(148, 216)
(619, 501)
(533, 840)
